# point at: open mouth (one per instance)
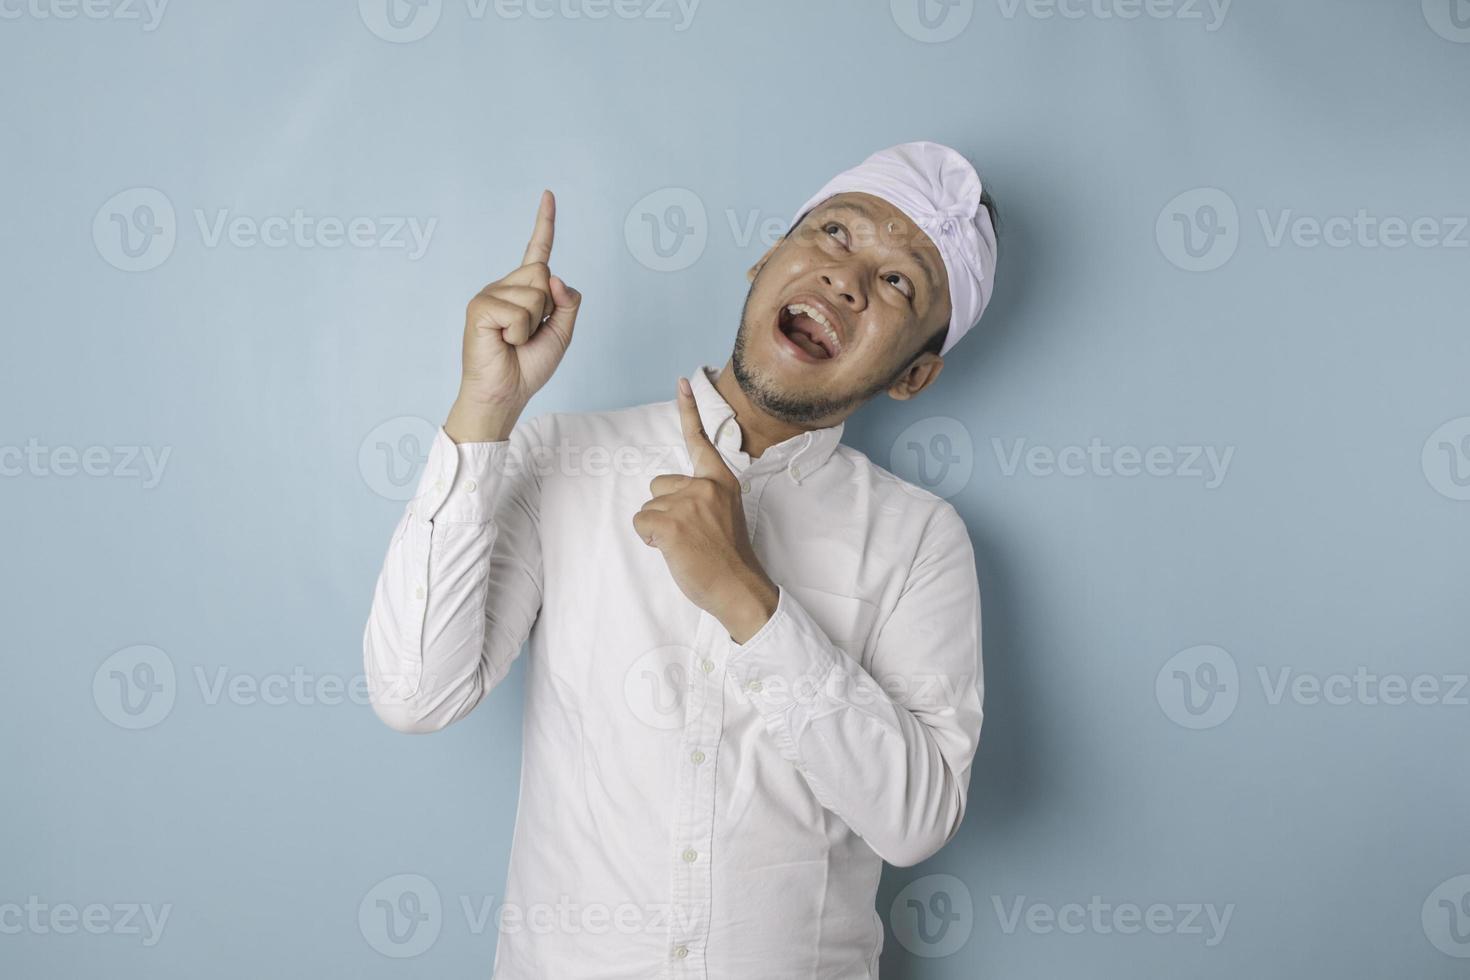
(809, 331)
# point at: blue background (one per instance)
(1335, 540)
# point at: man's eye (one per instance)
(836, 231)
(901, 282)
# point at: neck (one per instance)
(759, 430)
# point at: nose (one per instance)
(845, 285)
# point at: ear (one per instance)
(920, 375)
(755, 270)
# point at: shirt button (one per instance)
(681, 951)
(753, 686)
(418, 591)
(470, 486)
(707, 665)
(745, 486)
(697, 756)
(438, 484)
(690, 855)
(796, 472)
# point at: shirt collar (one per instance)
(800, 456)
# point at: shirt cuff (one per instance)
(782, 668)
(459, 482)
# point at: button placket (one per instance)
(691, 886)
(750, 499)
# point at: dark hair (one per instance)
(936, 342)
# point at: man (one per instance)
(754, 669)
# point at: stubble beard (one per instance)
(792, 408)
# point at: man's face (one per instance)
(838, 311)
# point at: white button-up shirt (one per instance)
(690, 806)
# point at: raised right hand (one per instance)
(515, 332)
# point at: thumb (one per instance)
(564, 313)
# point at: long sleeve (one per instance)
(888, 749)
(460, 586)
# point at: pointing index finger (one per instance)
(539, 249)
(702, 453)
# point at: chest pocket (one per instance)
(847, 620)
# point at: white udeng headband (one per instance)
(938, 189)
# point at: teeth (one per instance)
(821, 321)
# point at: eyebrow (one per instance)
(918, 257)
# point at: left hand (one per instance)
(698, 522)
